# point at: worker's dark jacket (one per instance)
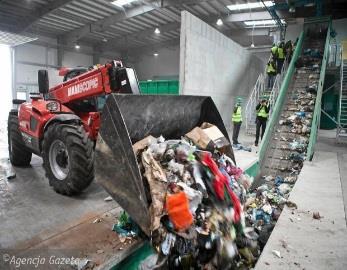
(258, 109)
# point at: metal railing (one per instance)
(318, 104)
(280, 100)
(256, 93)
(277, 86)
(335, 55)
(340, 129)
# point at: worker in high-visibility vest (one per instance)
(237, 121)
(271, 73)
(262, 110)
(274, 51)
(281, 55)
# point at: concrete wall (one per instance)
(340, 26)
(293, 31)
(27, 61)
(211, 64)
(165, 66)
(29, 58)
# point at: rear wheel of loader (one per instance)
(68, 158)
(19, 154)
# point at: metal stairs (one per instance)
(341, 131)
(259, 91)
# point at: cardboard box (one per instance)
(208, 137)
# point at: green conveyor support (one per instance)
(280, 100)
(318, 104)
(283, 92)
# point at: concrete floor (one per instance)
(34, 217)
(327, 143)
(243, 158)
(304, 242)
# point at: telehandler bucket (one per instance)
(126, 119)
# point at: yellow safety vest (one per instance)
(237, 117)
(262, 113)
(280, 53)
(274, 50)
(270, 68)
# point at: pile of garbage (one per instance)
(197, 196)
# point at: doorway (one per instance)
(6, 82)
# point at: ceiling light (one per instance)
(219, 22)
(157, 30)
(250, 5)
(261, 22)
(252, 45)
(121, 3)
(292, 9)
(77, 46)
(155, 54)
(104, 40)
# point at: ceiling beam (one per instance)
(248, 32)
(105, 23)
(137, 51)
(116, 43)
(31, 17)
(121, 42)
(249, 16)
(62, 47)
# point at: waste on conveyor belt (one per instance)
(264, 206)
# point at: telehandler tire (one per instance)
(68, 158)
(18, 152)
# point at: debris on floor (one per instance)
(316, 215)
(83, 264)
(108, 199)
(97, 220)
(276, 253)
(10, 174)
(126, 227)
(242, 147)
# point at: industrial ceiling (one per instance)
(131, 27)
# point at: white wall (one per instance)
(293, 31)
(163, 66)
(6, 81)
(30, 58)
(211, 64)
(340, 26)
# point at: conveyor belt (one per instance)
(276, 160)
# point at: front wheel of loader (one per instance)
(68, 158)
(19, 154)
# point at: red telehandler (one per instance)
(61, 124)
(93, 119)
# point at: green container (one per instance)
(159, 87)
